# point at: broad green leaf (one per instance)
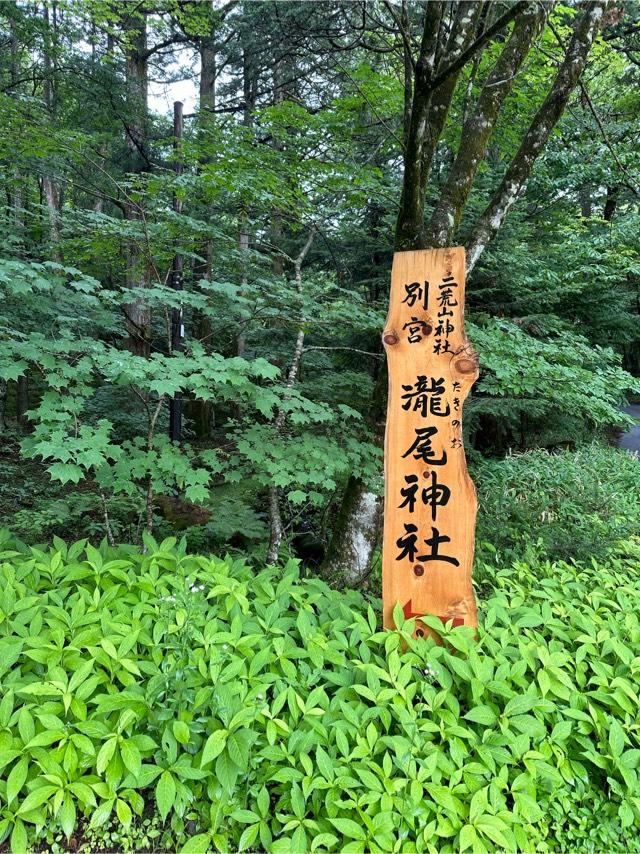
(19, 840)
(616, 739)
(165, 793)
(199, 844)
(347, 827)
(67, 815)
(181, 732)
(238, 744)
(482, 715)
(214, 745)
(468, 837)
(123, 811)
(16, 778)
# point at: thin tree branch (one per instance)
(536, 137)
(607, 141)
(599, 122)
(406, 37)
(488, 34)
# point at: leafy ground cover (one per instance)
(562, 504)
(170, 701)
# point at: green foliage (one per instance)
(154, 699)
(127, 453)
(77, 445)
(89, 229)
(261, 710)
(140, 834)
(556, 381)
(565, 505)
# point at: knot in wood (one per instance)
(466, 366)
(390, 338)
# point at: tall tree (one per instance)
(137, 312)
(49, 53)
(357, 530)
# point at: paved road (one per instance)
(631, 439)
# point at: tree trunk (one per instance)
(544, 121)
(3, 404)
(207, 73)
(586, 205)
(410, 223)
(137, 313)
(16, 185)
(177, 317)
(200, 412)
(420, 143)
(282, 90)
(276, 528)
(356, 535)
(478, 129)
(22, 401)
(243, 248)
(462, 32)
(357, 530)
(249, 83)
(53, 207)
(610, 203)
(51, 193)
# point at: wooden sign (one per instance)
(430, 500)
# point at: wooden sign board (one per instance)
(430, 500)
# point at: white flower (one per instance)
(430, 672)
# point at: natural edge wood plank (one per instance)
(430, 500)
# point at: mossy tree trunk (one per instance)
(538, 133)
(477, 131)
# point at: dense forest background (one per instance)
(193, 388)
(191, 308)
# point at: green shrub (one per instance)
(259, 711)
(571, 505)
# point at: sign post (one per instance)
(430, 500)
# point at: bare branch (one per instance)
(607, 141)
(406, 35)
(462, 31)
(601, 126)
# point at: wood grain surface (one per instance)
(430, 500)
